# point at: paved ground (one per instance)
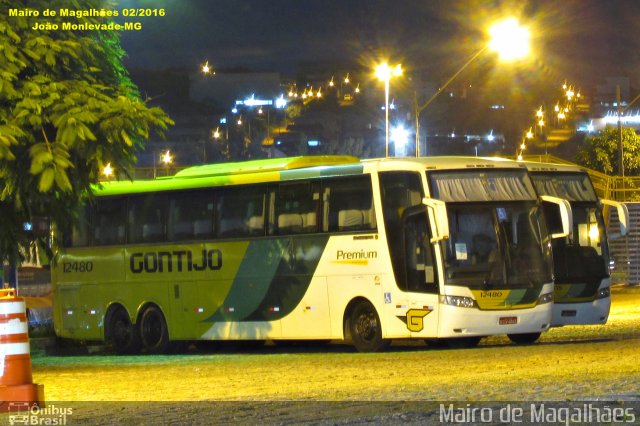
(333, 384)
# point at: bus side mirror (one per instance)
(623, 217)
(566, 215)
(439, 210)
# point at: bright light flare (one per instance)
(207, 69)
(166, 157)
(384, 72)
(107, 171)
(281, 102)
(400, 137)
(510, 40)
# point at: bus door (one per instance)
(419, 279)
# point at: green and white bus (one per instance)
(309, 248)
(581, 260)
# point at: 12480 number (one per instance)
(77, 267)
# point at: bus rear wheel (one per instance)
(154, 333)
(366, 332)
(524, 338)
(122, 334)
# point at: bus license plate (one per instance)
(508, 320)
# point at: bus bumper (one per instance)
(594, 312)
(461, 322)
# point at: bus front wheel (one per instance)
(154, 333)
(122, 334)
(365, 329)
(524, 338)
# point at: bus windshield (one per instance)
(497, 246)
(584, 258)
(498, 237)
(570, 186)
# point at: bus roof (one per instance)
(238, 173)
(447, 162)
(536, 167)
(290, 168)
(265, 165)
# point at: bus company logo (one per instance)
(180, 260)
(491, 294)
(22, 413)
(356, 257)
(415, 319)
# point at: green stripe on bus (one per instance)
(272, 279)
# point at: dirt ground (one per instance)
(333, 384)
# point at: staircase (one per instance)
(625, 251)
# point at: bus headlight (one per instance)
(545, 298)
(459, 301)
(603, 293)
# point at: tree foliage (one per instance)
(600, 152)
(67, 108)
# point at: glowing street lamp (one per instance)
(529, 134)
(107, 171)
(207, 69)
(508, 38)
(384, 73)
(166, 158)
(400, 137)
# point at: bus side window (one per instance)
(108, 220)
(240, 211)
(296, 207)
(147, 218)
(348, 205)
(190, 216)
(79, 235)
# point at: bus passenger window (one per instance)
(147, 218)
(296, 208)
(240, 212)
(79, 234)
(190, 216)
(109, 221)
(348, 205)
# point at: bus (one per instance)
(309, 248)
(581, 260)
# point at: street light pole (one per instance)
(386, 117)
(508, 39)
(418, 110)
(384, 73)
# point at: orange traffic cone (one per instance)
(16, 384)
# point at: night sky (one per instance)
(585, 40)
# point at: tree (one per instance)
(67, 108)
(600, 152)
